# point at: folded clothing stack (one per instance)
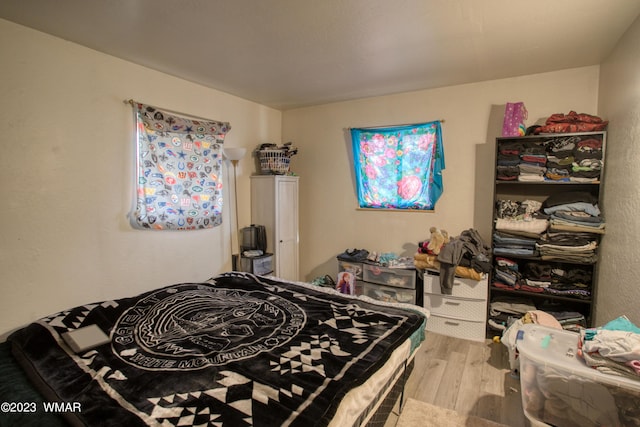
(575, 211)
(570, 158)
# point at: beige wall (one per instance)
(67, 177)
(66, 240)
(620, 252)
(329, 220)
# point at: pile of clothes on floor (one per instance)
(613, 348)
(466, 256)
(561, 392)
(575, 158)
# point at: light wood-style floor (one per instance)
(469, 377)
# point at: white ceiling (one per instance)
(291, 53)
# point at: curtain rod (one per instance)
(392, 126)
(132, 102)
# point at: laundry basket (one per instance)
(274, 162)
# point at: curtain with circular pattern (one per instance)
(179, 170)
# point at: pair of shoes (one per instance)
(354, 255)
(325, 281)
(329, 282)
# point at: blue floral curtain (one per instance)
(179, 164)
(399, 167)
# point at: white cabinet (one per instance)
(274, 204)
(463, 314)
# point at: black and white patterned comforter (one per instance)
(238, 350)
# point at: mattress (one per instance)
(236, 350)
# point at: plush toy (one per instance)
(424, 261)
(437, 240)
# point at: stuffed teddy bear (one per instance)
(437, 240)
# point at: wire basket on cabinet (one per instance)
(274, 162)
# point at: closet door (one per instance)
(287, 229)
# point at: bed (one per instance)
(236, 350)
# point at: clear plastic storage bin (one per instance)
(354, 268)
(397, 277)
(559, 389)
(389, 294)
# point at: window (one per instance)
(398, 167)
